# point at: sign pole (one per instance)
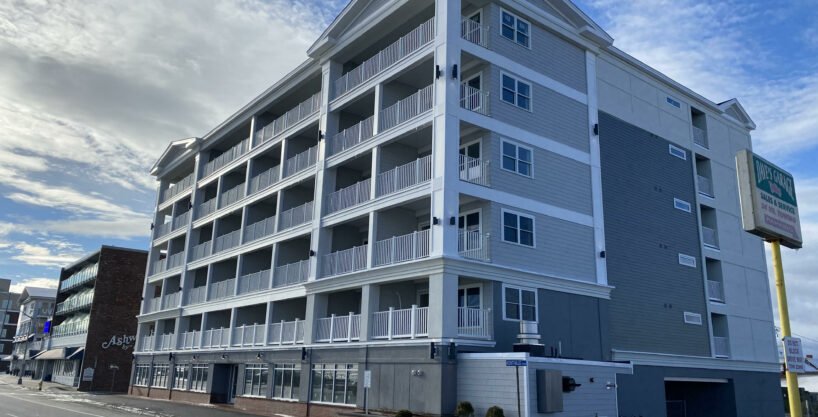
(793, 393)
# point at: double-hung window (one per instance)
(255, 380)
(515, 29)
(335, 383)
(517, 158)
(198, 378)
(286, 380)
(518, 228)
(516, 92)
(519, 304)
(141, 378)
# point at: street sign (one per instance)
(515, 362)
(88, 374)
(113, 366)
(794, 355)
(367, 379)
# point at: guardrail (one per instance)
(350, 196)
(286, 333)
(403, 248)
(300, 162)
(404, 176)
(474, 32)
(179, 187)
(345, 261)
(295, 216)
(408, 322)
(206, 208)
(352, 136)
(197, 295)
(215, 338)
(710, 237)
(406, 109)
(222, 289)
(231, 196)
(721, 347)
(705, 185)
(289, 119)
(700, 137)
(248, 335)
(474, 322)
(190, 340)
(227, 241)
(291, 274)
(715, 291)
(338, 328)
(265, 179)
(201, 250)
(474, 99)
(176, 260)
(474, 170)
(257, 281)
(226, 157)
(473, 245)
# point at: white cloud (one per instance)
(48, 254)
(19, 285)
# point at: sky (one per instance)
(91, 93)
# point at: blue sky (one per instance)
(87, 106)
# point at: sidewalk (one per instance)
(34, 384)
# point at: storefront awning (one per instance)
(51, 355)
(77, 354)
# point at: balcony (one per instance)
(266, 179)
(404, 176)
(201, 250)
(387, 57)
(295, 216)
(231, 196)
(474, 170)
(705, 186)
(222, 289)
(300, 162)
(179, 187)
(152, 305)
(147, 344)
(181, 220)
(190, 340)
(87, 274)
(405, 323)
(403, 248)
(286, 333)
(721, 347)
(159, 266)
(700, 137)
(260, 229)
(474, 32)
(352, 136)
(162, 230)
(473, 245)
(345, 261)
(338, 328)
(215, 338)
(406, 109)
(710, 237)
(474, 99)
(79, 301)
(166, 342)
(227, 241)
(225, 158)
(715, 291)
(206, 208)
(347, 197)
(248, 335)
(291, 274)
(176, 260)
(197, 295)
(289, 119)
(171, 300)
(255, 282)
(474, 322)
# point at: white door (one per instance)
(471, 166)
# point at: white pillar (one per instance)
(370, 300)
(443, 305)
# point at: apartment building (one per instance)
(93, 329)
(439, 181)
(36, 308)
(9, 311)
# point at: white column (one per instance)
(596, 170)
(316, 308)
(376, 119)
(370, 296)
(443, 305)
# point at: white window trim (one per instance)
(478, 286)
(677, 202)
(672, 147)
(463, 214)
(516, 17)
(521, 289)
(517, 81)
(516, 157)
(695, 318)
(518, 213)
(692, 259)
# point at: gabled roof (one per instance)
(584, 25)
(735, 110)
(173, 151)
(38, 292)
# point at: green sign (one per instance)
(774, 181)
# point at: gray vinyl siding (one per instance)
(549, 54)
(552, 115)
(644, 235)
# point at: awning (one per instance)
(8, 358)
(77, 353)
(51, 355)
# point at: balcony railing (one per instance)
(231, 196)
(248, 335)
(190, 340)
(473, 245)
(159, 266)
(89, 273)
(215, 338)
(201, 250)
(387, 57)
(710, 237)
(148, 344)
(162, 230)
(227, 241)
(181, 220)
(705, 185)
(700, 137)
(474, 322)
(474, 99)
(338, 328)
(167, 342)
(406, 109)
(176, 260)
(715, 291)
(71, 329)
(474, 170)
(353, 135)
(291, 274)
(345, 261)
(295, 216)
(300, 162)
(292, 117)
(265, 179)
(153, 304)
(257, 281)
(222, 289)
(403, 248)
(171, 300)
(79, 301)
(206, 208)
(409, 322)
(474, 32)
(179, 187)
(197, 295)
(286, 333)
(350, 196)
(721, 347)
(260, 229)
(404, 176)
(227, 157)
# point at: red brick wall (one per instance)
(267, 407)
(190, 397)
(159, 393)
(139, 391)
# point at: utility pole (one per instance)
(793, 392)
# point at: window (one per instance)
(673, 102)
(180, 377)
(693, 318)
(516, 92)
(518, 228)
(517, 158)
(160, 376)
(335, 383)
(682, 205)
(677, 152)
(255, 380)
(198, 378)
(515, 29)
(141, 376)
(687, 260)
(519, 304)
(286, 380)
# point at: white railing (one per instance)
(295, 216)
(248, 335)
(403, 248)
(153, 304)
(700, 137)
(180, 186)
(404, 176)
(206, 208)
(409, 322)
(75, 302)
(181, 220)
(167, 341)
(473, 245)
(715, 291)
(474, 322)
(176, 260)
(474, 170)
(289, 119)
(257, 281)
(222, 289)
(71, 329)
(159, 266)
(345, 261)
(171, 300)
(201, 250)
(721, 347)
(474, 32)
(190, 340)
(162, 230)
(197, 295)
(265, 179)
(80, 277)
(286, 333)
(705, 185)
(231, 196)
(226, 157)
(710, 238)
(215, 338)
(227, 241)
(406, 108)
(301, 161)
(474, 99)
(338, 328)
(260, 229)
(387, 57)
(148, 344)
(352, 135)
(350, 196)
(291, 274)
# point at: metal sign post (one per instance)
(367, 386)
(517, 364)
